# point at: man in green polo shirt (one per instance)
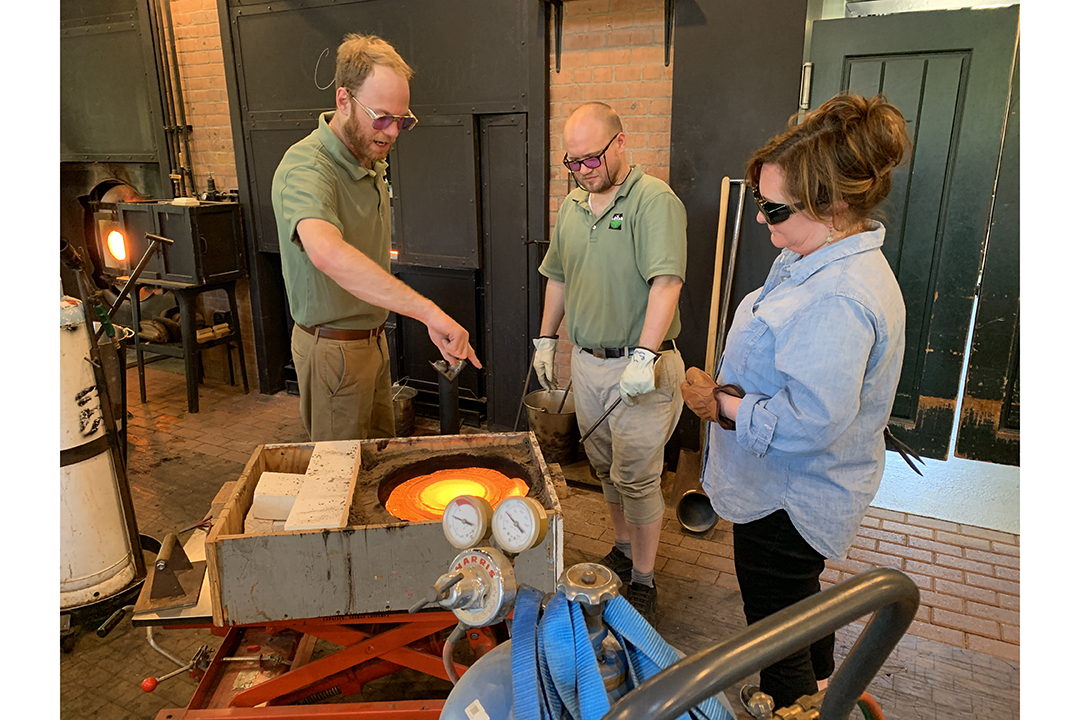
(615, 267)
(332, 207)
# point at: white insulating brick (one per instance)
(275, 495)
(261, 526)
(322, 498)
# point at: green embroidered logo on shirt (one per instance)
(616, 222)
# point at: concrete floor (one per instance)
(178, 462)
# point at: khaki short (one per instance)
(344, 387)
(627, 449)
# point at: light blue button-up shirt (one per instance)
(818, 350)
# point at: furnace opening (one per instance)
(421, 491)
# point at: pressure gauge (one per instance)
(466, 521)
(520, 523)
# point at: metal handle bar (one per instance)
(889, 594)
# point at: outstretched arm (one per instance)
(363, 277)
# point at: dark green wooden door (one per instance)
(949, 73)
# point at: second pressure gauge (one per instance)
(520, 523)
(466, 521)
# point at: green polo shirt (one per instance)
(319, 178)
(607, 262)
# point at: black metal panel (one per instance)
(435, 200)
(459, 290)
(108, 106)
(503, 165)
(940, 208)
(467, 58)
(76, 10)
(268, 146)
(719, 117)
(990, 413)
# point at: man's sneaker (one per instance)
(643, 598)
(619, 564)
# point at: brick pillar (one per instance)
(613, 52)
(206, 103)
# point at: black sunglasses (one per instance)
(775, 212)
(590, 162)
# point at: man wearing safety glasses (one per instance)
(332, 206)
(615, 267)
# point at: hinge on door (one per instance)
(804, 89)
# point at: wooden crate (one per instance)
(376, 563)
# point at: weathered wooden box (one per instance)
(377, 563)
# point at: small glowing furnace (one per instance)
(426, 496)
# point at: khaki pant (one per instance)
(344, 387)
(627, 449)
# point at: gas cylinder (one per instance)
(96, 557)
(482, 691)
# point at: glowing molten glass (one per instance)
(116, 245)
(426, 496)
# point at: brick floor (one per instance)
(177, 462)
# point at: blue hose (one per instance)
(554, 665)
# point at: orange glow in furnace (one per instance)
(426, 496)
(116, 245)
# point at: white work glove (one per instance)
(544, 361)
(639, 377)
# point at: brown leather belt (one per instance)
(341, 333)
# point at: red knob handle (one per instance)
(149, 684)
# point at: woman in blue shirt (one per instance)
(795, 448)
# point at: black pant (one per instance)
(777, 568)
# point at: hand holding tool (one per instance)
(639, 377)
(697, 393)
(597, 423)
(702, 396)
(544, 361)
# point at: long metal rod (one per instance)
(730, 278)
(165, 84)
(888, 593)
(186, 166)
(597, 423)
(155, 242)
(162, 651)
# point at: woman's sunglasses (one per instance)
(590, 162)
(381, 122)
(775, 212)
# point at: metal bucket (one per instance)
(404, 414)
(556, 432)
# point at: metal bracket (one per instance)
(173, 580)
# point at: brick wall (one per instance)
(968, 577)
(612, 52)
(202, 79)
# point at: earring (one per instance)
(830, 239)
